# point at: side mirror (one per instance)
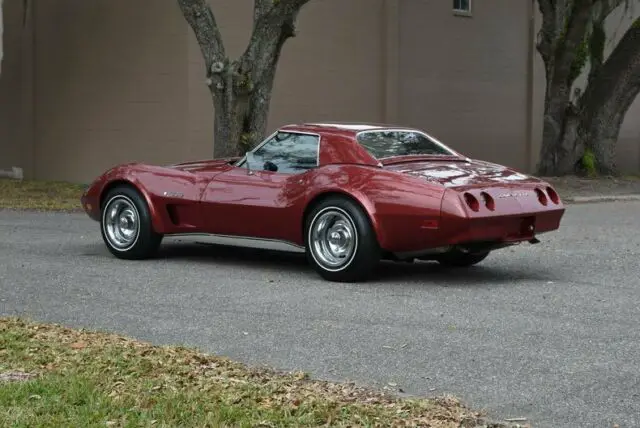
(270, 166)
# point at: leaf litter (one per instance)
(216, 390)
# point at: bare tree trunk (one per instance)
(561, 147)
(241, 89)
(593, 121)
(563, 31)
(608, 97)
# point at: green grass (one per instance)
(40, 195)
(84, 378)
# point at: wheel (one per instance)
(340, 242)
(457, 258)
(126, 225)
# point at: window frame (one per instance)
(243, 161)
(462, 12)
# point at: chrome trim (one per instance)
(237, 241)
(333, 239)
(121, 223)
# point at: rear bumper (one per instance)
(501, 229)
(500, 220)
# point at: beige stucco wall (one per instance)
(86, 85)
(332, 70)
(464, 79)
(117, 83)
(16, 118)
(111, 85)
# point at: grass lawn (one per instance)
(40, 195)
(52, 376)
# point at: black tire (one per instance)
(144, 241)
(457, 258)
(357, 264)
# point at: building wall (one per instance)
(464, 78)
(16, 115)
(332, 70)
(111, 85)
(86, 85)
(115, 83)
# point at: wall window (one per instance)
(462, 6)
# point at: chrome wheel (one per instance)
(121, 223)
(333, 239)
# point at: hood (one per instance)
(203, 165)
(472, 173)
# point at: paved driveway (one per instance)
(548, 332)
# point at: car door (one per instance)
(261, 196)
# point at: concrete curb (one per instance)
(600, 198)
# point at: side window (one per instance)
(287, 153)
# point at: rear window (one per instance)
(385, 144)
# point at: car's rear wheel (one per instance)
(340, 242)
(456, 258)
(126, 225)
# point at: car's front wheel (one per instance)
(458, 258)
(340, 242)
(126, 225)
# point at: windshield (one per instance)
(389, 143)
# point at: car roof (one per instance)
(349, 128)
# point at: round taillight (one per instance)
(541, 197)
(553, 195)
(472, 201)
(488, 201)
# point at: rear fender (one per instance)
(404, 211)
(355, 195)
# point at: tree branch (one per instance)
(558, 18)
(203, 23)
(579, 18)
(274, 23)
(618, 80)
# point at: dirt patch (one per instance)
(569, 187)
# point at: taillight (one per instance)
(472, 201)
(541, 196)
(488, 201)
(553, 195)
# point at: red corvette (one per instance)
(346, 195)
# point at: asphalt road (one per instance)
(548, 332)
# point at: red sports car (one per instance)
(348, 195)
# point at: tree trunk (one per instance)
(241, 89)
(607, 100)
(561, 148)
(561, 36)
(240, 116)
(593, 121)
